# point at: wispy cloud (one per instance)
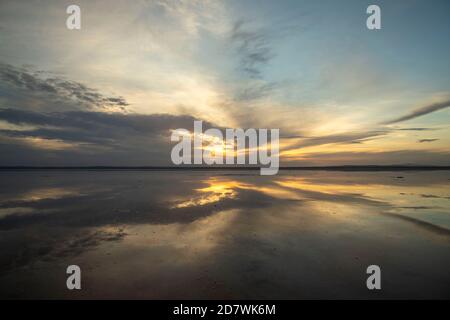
(253, 48)
(416, 129)
(400, 157)
(421, 111)
(355, 137)
(255, 90)
(427, 140)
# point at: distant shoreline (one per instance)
(215, 168)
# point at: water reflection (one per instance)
(230, 235)
(215, 191)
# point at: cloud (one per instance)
(255, 90)
(89, 138)
(416, 129)
(59, 88)
(94, 127)
(421, 111)
(427, 140)
(95, 121)
(252, 47)
(82, 137)
(398, 157)
(356, 137)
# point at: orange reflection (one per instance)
(216, 191)
(219, 189)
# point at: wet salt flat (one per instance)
(224, 234)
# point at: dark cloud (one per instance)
(427, 140)
(421, 111)
(130, 138)
(433, 196)
(416, 129)
(97, 121)
(58, 88)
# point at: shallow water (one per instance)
(224, 235)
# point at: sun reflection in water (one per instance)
(216, 191)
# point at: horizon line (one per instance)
(330, 168)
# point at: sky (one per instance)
(112, 92)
